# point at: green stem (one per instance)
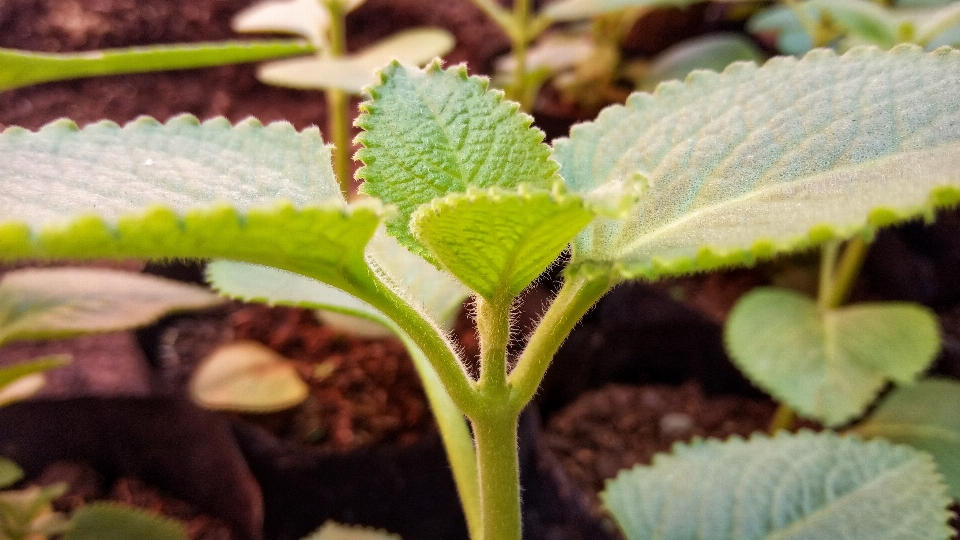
(496, 439)
(575, 298)
(782, 419)
(846, 274)
(493, 326)
(520, 39)
(828, 264)
(338, 101)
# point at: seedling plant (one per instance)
(719, 171)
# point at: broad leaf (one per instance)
(924, 416)
(763, 160)
(335, 531)
(861, 18)
(307, 18)
(10, 473)
(498, 241)
(828, 365)
(711, 51)
(259, 194)
(111, 521)
(355, 72)
(22, 68)
(46, 303)
(429, 133)
(247, 376)
(804, 486)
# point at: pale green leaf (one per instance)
(355, 72)
(711, 51)
(828, 364)
(10, 473)
(934, 23)
(8, 374)
(335, 531)
(307, 18)
(757, 161)
(258, 194)
(22, 68)
(571, 10)
(805, 486)
(925, 416)
(429, 133)
(112, 521)
(248, 377)
(47, 303)
(861, 18)
(498, 241)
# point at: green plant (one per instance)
(722, 170)
(331, 69)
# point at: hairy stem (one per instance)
(493, 326)
(495, 433)
(338, 102)
(575, 298)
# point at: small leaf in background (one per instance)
(798, 486)
(22, 68)
(757, 161)
(25, 379)
(499, 241)
(828, 365)
(247, 376)
(307, 18)
(28, 514)
(110, 521)
(47, 303)
(10, 473)
(712, 51)
(572, 10)
(429, 133)
(861, 18)
(355, 72)
(925, 416)
(778, 25)
(335, 531)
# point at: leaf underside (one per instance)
(429, 133)
(262, 194)
(803, 486)
(924, 416)
(756, 161)
(22, 68)
(828, 365)
(498, 241)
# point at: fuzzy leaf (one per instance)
(758, 161)
(259, 194)
(22, 68)
(803, 486)
(498, 241)
(924, 416)
(246, 376)
(429, 133)
(710, 51)
(355, 72)
(10, 473)
(111, 521)
(307, 18)
(335, 531)
(47, 303)
(828, 365)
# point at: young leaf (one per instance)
(22, 68)
(861, 18)
(353, 73)
(307, 18)
(246, 376)
(110, 521)
(10, 473)
(46, 303)
(924, 416)
(181, 189)
(334, 531)
(808, 486)
(429, 133)
(762, 160)
(497, 241)
(828, 365)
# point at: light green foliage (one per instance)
(863, 19)
(27, 514)
(828, 364)
(923, 415)
(23, 68)
(569, 10)
(45, 303)
(497, 241)
(804, 486)
(711, 51)
(429, 133)
(10, 473)
(246, 376)
(22, 380)
(107, 521)
(758, 161)
(354, 72)
(782, 23)
(336, 531)
(308, 18)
